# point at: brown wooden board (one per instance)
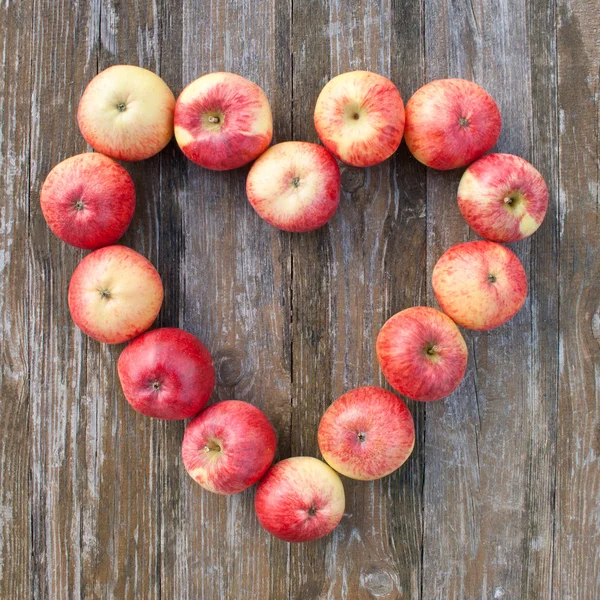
(500, 499)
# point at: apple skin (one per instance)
(126, 112)
(480, 285)
(450, 123)
(300, 499)
(228, 447)
(422, 353)
(359, 117)
(115, 294)
(295, 186)
(88, 200)
(367, 433)
(503, 198)
(242, 126)
(167, 373)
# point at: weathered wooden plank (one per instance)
(489, 448)
(233, 287)
(121, 505)
(92, 517)
(64, 60)
(577, 535)
(15, 128)
(348, 278)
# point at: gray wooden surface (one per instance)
(501, 497)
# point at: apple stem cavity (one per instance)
(104, 294)
(491, 278)
(463, 121)
(79, 205)
(212, 446)
(296, 182)
(156, 385)
(361, 436)
(312, 511)
(121, 107)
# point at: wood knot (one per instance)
(377, 581)
(352, 179)
(229, 366)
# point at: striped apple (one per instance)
(223, 121)
(503, 198)
(359, 117)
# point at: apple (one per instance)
(450, 123)
(367, 433)
(126, 112)
(480, 285)
(167, 373)
(300, 499)
(88, 200)
(359, 117)
(295, 186)
(422, 353)
(115, 294)
(503, 198)
(223, 121)
(228, 447)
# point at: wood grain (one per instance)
(577, 530)
(485, 534)
(501, 496)
(347, 280)
(15, 132)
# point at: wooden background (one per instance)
(501, 497)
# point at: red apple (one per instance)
(503, 197)
(480, 285)
(367, 433)
(223, 121)
(359, 117)
(295, 186)
(228, 447)
(450, 123)
(300, 499)
(115, 294)
(88, 200)
(126, 112)
(422, 353)
(167, 373)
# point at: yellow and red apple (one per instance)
(228, 447)
(359, 117)
(450, 123)
(422, 353)
(480, 285)
(223, 121)
(503, 198)
(367, 433)
(295, 186)
(126, 112)
(167, 373)
(300, 499)
(88, 200)
(115, 294)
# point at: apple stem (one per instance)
(312, 511)
(212, 446)
(79, 205)
(104, 294)
(296, 181)
(121, 106)
(213, 119)
(508, 200)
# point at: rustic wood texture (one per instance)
(501, 497)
